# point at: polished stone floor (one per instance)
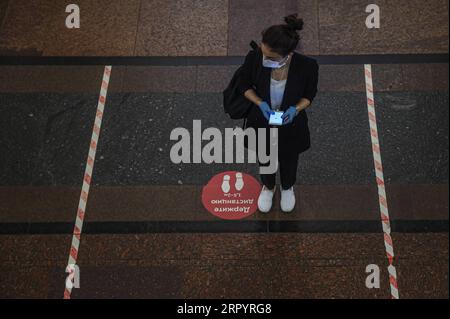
(147, 234)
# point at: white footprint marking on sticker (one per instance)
(226, 183)
(239, 182)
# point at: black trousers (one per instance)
(287, 166)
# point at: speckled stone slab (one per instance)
(180, 28)
(405, 27)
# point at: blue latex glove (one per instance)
(289, 115)
(265, 109)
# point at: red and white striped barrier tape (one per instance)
(87, 178)
(380, 182)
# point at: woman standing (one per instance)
(286, 81)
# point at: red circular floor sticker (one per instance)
(231, 195)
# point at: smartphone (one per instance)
(275, 118)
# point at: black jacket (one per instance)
(301, 83)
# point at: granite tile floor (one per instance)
(146, 232)
(224, 266)
(218, 28)
(135, 229)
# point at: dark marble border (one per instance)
(216, 60)
(272, 226)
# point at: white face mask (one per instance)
(274, 64)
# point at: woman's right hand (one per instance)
(265, 109)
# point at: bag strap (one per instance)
(254, 45)
(256, 48)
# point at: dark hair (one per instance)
(283, 38)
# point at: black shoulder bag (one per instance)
(236, 105)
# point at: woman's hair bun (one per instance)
(293, 22)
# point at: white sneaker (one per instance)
(265, 199)
(287, 200)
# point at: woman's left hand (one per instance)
(289, 115)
